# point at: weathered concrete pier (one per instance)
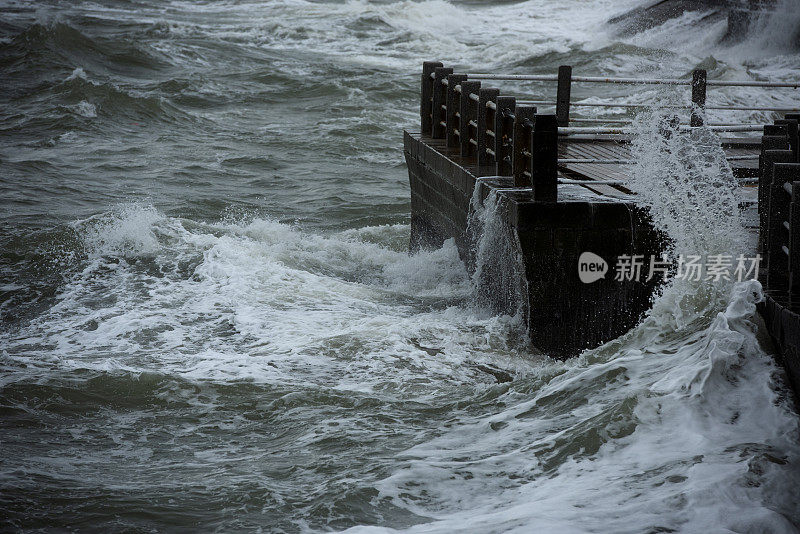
(560, 191)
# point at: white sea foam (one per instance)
(85, 109)
(258, 300)
(680, 424)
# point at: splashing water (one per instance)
(498, 277)
(677, 426)
(292, 368)
(684, 180)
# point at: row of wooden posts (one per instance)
(498, 131)
(779, 205)
(492, 128)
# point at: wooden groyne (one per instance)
(559, 181)
(740, 15)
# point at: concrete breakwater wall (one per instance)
(564, 315)
(558, 191)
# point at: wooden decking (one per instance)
(619, 149)
(608, 148)
(605, 148)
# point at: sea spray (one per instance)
(677, 426)
(297, 371)
(498, 272)
(684, 180)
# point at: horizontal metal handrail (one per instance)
(751, 83)
(566, 181)
(752, 108)
(608, 121)
(619, 131)
(565, 161)
(749, 157)
(598, 161)
(642, 106)
(630, 121)
(590, 79)
(628, 81)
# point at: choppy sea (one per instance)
(210, 321)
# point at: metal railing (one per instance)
(510, 135)
(699, 84)
(629, 81)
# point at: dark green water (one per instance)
(210, 321)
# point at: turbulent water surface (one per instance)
(210, 320)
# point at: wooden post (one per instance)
(486, 122)
(767, 161)
(453, 108)
(439, 130)
(521, 155)
(504, 134)
(769, 141)
(791, 128)
(794, 240)
(563, 94)
(426, 96)
(795, 117)
(469, 117)
(778, 236)
(776, 129)
(698, 97)
(544, 158)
